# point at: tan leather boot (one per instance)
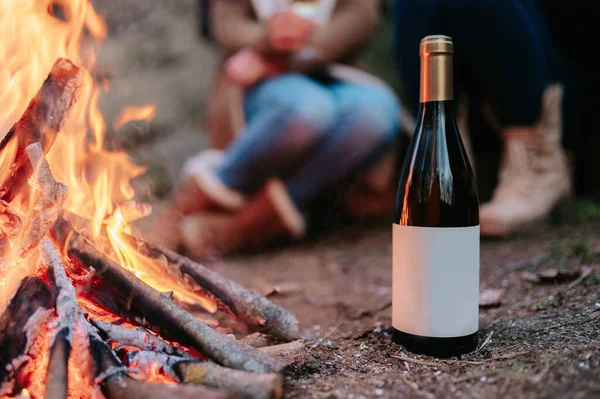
(360, 204)
(199, 191)
(270, 216)
(534, 175)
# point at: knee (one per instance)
(374, 113)
(308, 118)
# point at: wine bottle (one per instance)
(436, 231)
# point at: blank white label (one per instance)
(435, 280)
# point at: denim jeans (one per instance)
(503, 51)
(312, 135)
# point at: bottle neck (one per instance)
(436, 77)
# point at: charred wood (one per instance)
(67, 312)
(116, 383)
(255, 310)
(57, 377)
(97, 301)
(48, 198)
(31, 298)
(40, 123)
(160, 309)
(137, 338)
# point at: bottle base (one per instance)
(437, 347)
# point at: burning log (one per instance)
(140, 339)
(10, 225)
(247, 385)
(49, 197)
(67, 310)
(159, 309)
(26, 308)
(117, 384)
(40, 123)
(57, 377)
(111, 373)
(255, 310)
(146, 362)
(179, 364)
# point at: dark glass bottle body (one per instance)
(437, 189)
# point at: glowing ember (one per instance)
(37, 358)
(81, 367)
(152, 369)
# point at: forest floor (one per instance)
(541, 341)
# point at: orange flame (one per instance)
(32, 37)
(129, 114)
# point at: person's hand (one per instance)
(288, 31)
(247, 67)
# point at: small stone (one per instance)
(558, 275)
(491, 297)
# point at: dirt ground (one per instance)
(542, 341)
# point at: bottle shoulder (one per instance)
(437, 185)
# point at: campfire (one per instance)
(87, 307)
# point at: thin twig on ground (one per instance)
(485, 342)
(418, 361)
(585, 273)
(290, 348)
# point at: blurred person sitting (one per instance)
(284, 128)
(505, 54)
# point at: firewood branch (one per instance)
(159, 309)
(48, 196)
(40, 123)
(117, 384)
(139, 339)
(111, 374)
(247, 385)
(28, 304)
(255, 310)
(67, 312)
